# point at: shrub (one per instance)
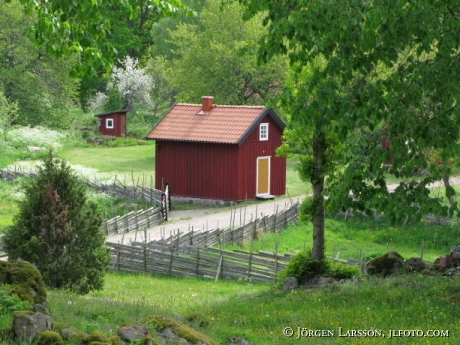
(59, 231)
(342, 271)
(303, 267)
(9, 302)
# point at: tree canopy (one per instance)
(82, 27)
(215, 57)
(37, 82)
(375, 69)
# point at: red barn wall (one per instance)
(220, 171)
(119, 128)
(197, 170)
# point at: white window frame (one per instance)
(107, 123)
(263, 132)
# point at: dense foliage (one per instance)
(362, 71)
(215, 56)
(38, 83)
(59, 231)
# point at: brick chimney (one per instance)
(207, 103)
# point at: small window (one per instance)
(109, 123)
(263, 133)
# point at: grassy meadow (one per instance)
(261, 313)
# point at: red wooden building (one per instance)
(220, 152)
(113, 123)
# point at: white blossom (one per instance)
(132, 82)
(37, 136)
(98, 102)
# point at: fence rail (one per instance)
(215, 263)
(134, 221)
(130, 192)
(216, 237)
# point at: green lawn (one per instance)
(129, 161)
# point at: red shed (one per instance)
(113, 123)
(220, 152)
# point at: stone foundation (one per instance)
(203, 202)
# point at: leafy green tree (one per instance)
(82, 27)
(372, 69)
(8, 113)
(38, 82)
(59, 231)
(214, 57)
(161, 94)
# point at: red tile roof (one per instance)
(222, 124)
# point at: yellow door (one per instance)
(263, 175)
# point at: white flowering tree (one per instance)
(131, 83)
(8, 113)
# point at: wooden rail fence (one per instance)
(214, 263)
(134, 221)
(251, 230)
(121, 190)
(194, 253)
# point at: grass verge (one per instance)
(370, 238)
(261, 313)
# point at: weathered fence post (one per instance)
(274, 219)
(277, 243)
(219, 267)
(197, 261)
(164, 208)
(171, 260)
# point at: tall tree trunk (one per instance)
(317, 180)
(450, 192)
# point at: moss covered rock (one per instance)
(96, 337)
(49, 338)
(115, 340)
(27, 325)
(385, 264)
(25, 281)
(160, 323)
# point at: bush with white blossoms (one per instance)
(38, 136)
(132, 82)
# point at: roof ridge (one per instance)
(225, 105)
